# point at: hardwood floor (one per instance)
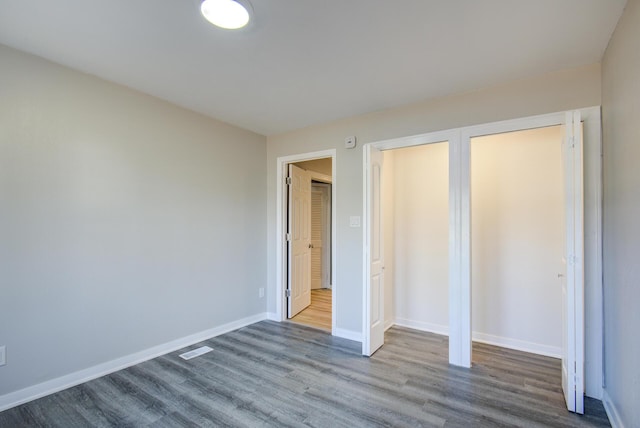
(283, 374)
(318, 314)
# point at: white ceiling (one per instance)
(303, 62)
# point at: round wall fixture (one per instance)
(227, 14)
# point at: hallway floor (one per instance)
(318, 313)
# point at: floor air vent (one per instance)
(195, 353)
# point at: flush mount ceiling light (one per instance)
(227, 14)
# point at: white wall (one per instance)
(517, 235)
(543, 94)
(125, 222)
(621, 113)
(421, 188)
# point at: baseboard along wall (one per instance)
(43, 389)
(34, 392)
(348, 334)
(612, 411)
(504, 342)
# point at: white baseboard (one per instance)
(518, 345)
(34, 392)
(273, 316)
(612, 412)
(423, 326)
(348, 334)
(388, 324)
(504, 342)
(338, 332)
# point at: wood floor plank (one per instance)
(318, 313)
(288, 375)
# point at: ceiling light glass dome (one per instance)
(227, 14)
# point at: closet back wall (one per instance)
(517, 239)
(421, 237)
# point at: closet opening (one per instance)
(415, 218)
(518, 240)
(407, 235)
(533, 235)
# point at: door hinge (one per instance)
(288, 237)
(572, 142)
(287, 292)
(288, 181)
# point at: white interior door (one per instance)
(374, 319)
(299, 240)
(573, 261)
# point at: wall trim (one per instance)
(40, 390)
(356, 336)
(612, 411)
(388, 324)
(273, 316)
(490, 339)
(423, 326)
(518, 345)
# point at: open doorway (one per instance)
(517, 239)
(309, 288)
(306, 237)
(403, 269)
(415, 191)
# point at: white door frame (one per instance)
(281, 227)
(460, 237)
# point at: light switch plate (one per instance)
(3, 355)
(354, 221)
